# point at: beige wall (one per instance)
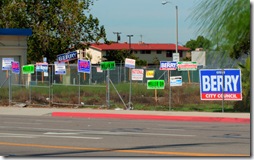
(96, 55)
(14, 46)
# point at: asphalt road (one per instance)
(46, 136)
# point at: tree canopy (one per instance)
(226, 23)
(200, 42)
(57, 25)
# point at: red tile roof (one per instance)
(137, 46)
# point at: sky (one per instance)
(147, 20)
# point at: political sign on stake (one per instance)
(155, 84)
(67, 56)
(84, 66)
(15, 67)
(28, 69)
(6, 63)
(150, 73)
(137, 74)
(212, 83)
(111, 65)
(176, 81)
(187, 66)
(130, 63)
(60, 68)
(168, 65)
(42, 67)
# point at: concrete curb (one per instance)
(151, 117)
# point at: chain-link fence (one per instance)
(83, 89)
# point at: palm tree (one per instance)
(227, 24)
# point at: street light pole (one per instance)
(130, 71)
(176, 29)
(165, 2)
(169, 73)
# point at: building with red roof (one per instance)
(145, 51)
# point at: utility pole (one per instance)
(118, 38)
(141, 37)
(130, 42)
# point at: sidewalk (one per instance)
(128, 114)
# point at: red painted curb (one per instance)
(151, 117)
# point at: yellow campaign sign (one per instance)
(150, 73)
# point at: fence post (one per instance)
(108, 90)
(10, 89)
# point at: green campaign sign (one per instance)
(111, 65)
(28, 69)
(155, 84)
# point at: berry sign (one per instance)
(212, 83)
(168, 65)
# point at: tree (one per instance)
(57, 25)
(227, 24)
(200, 42)
(119, 56)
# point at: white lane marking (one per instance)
(60, 133)
(101, 132)
(166, 129)
(20, 123)
(47, 136)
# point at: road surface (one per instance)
(47, 136)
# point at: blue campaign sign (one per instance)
(67, 56)
(168, 65)
(212, 83)
(42, 67)
(84, 66)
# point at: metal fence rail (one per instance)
(82, 89)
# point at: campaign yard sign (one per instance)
(176, 81)
(137, 74)
(212, 83)
(6, 63)
(84, 66)
(28, 69)
(60, 68)
(15, 67)
(41, 67)
(130, 63)
(65, 57)
(168, 65)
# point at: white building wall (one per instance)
(14, 46)
(96, 55)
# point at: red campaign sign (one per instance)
(219, 96)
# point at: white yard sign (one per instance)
(6, 63)
(137, 74)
